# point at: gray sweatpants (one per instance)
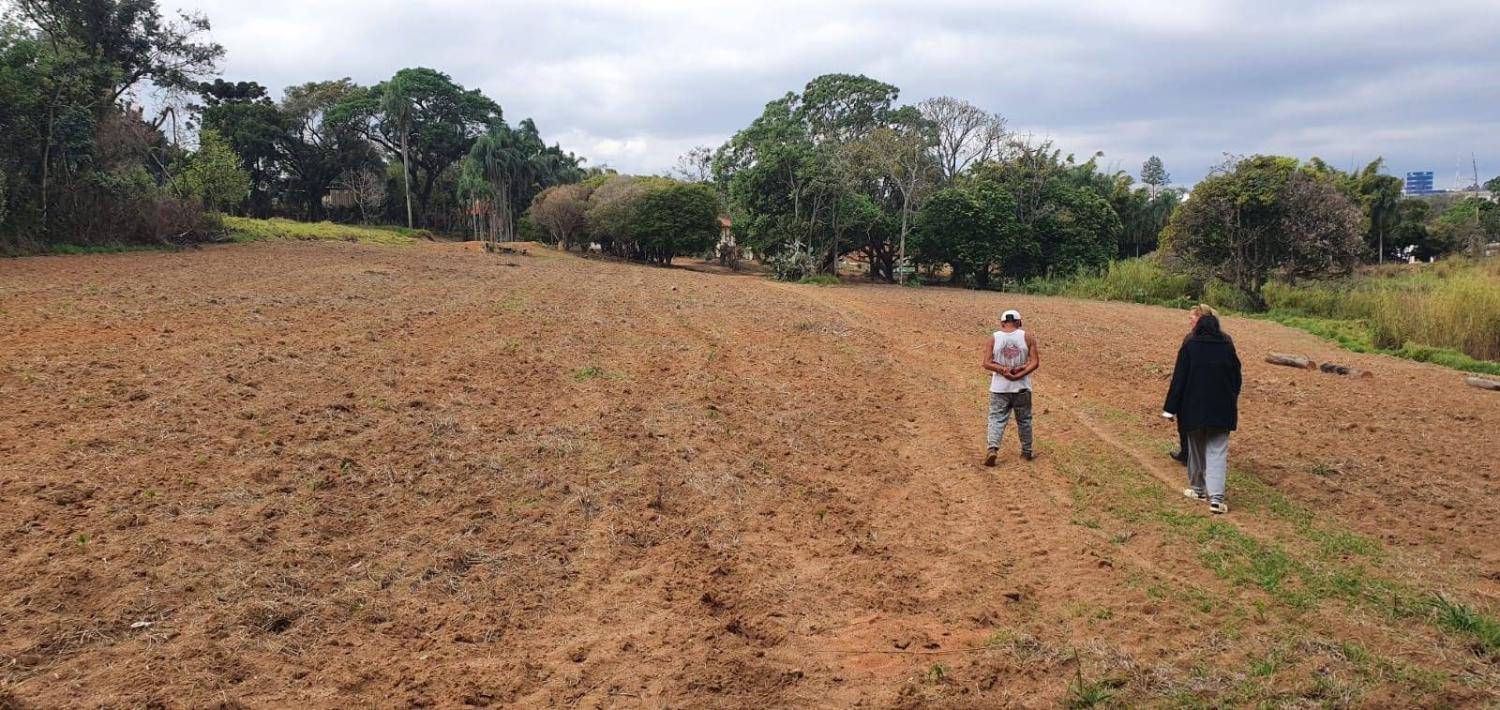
(1208, 461)
(1001, 405)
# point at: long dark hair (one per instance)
(1208, 328)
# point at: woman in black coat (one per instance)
(1204, 399)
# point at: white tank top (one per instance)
(1010, 351)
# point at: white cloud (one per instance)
(633, 85)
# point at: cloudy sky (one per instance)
(634, 84)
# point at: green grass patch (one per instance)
(820, 280)
(74, 249)
(584, 374)
(1309, 560)
(1084, 693)
(245, 229)
(1463, 619)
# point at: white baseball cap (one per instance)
(1011, 315)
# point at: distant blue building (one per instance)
(1419, 183)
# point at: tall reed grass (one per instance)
(1448, 312)
(1455, 305)
(1142, 280)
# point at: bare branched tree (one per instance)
(696, 165)
(965, 134)
(367, 187)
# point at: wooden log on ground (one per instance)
(1291, 361)
(1333, 369)
(1482, 383)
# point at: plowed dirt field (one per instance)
(338, 475)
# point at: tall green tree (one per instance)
(1060, 204)
(1380, 200)
(245, 117)
(422, 118)
(790, 176)
(901, 155)
(1264, 216)
(315, 149)
(1410, 235)
(1466, 224)
(504, 172)
(396, 111)
(972, 227)
(1144, 213)
(1154, 175)
(117, 44)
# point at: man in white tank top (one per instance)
(1010, 357)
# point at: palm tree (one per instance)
(397, 105)
(506, 168)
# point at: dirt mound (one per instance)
(333, 475)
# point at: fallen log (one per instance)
(1482, 383)
(1333, 369)
(1291, 361)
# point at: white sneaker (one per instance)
(1194, 493)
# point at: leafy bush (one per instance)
(110, 209)
(793, 265)
(1224, 296)
(676, 219)
(214, 175)
(652, 219)
(1265, 217)
(74, 249)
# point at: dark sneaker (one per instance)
(989, 457)
(1218, 506)
(1028, 455)
(1179, 457)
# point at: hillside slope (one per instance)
(329, 474)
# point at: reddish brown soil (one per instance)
(333, 475)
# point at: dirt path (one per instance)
(331, 474)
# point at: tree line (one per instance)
(83, 163)
(842, 169)
(77, 157)
(838, 170)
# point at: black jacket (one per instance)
(1205, 388)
